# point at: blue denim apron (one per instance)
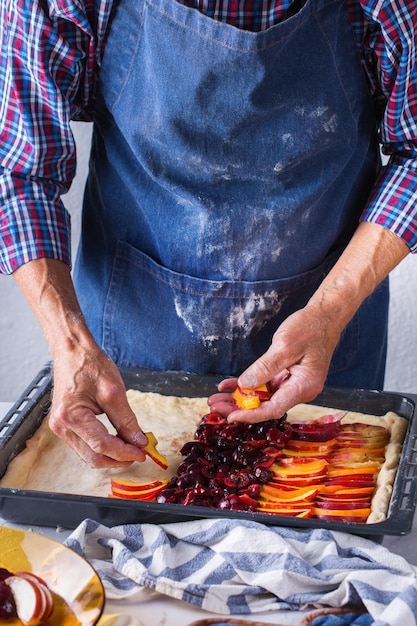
(228, 171)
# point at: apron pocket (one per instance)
(155, 317)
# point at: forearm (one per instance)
(48, 288)
(86, 381)
(370, 256)
(297, 362)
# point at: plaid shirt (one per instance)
(50, 56)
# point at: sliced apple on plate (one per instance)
(33, 599)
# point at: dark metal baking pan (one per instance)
(65, 510)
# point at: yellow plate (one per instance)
(79, 599)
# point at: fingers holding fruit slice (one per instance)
(152, 452)
(232, 397)
(250, 398)
(248, 405)
(222, 402)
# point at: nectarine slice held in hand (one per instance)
(250, 398)
(152, 452)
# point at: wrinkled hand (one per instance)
(86, 381)
(295, 366)
(85, 385)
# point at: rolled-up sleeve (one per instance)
(393, 203)
(49, 56)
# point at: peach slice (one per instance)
(130, 485)
(343, 505)
(359, 456)
(310, 469)
(289, 511)
(300, 444)
(128, 495)
(356, 481)
(152, 452)
(250, 398)
(129, 490)
(271, 493)
(353, 470)
(305, 454)
(342, 515)
(336, 491)
(286, 482)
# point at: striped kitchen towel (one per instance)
(236, 567)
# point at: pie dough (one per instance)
(47, 464)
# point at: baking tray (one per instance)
(24, 506)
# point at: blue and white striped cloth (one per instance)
(236, 567)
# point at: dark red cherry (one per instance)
(4, 573)
(7, 603)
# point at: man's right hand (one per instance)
(85, 381)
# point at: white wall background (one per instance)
(23, 350)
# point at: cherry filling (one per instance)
(226, 464)
(7, 603)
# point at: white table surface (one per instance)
(153, 609)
